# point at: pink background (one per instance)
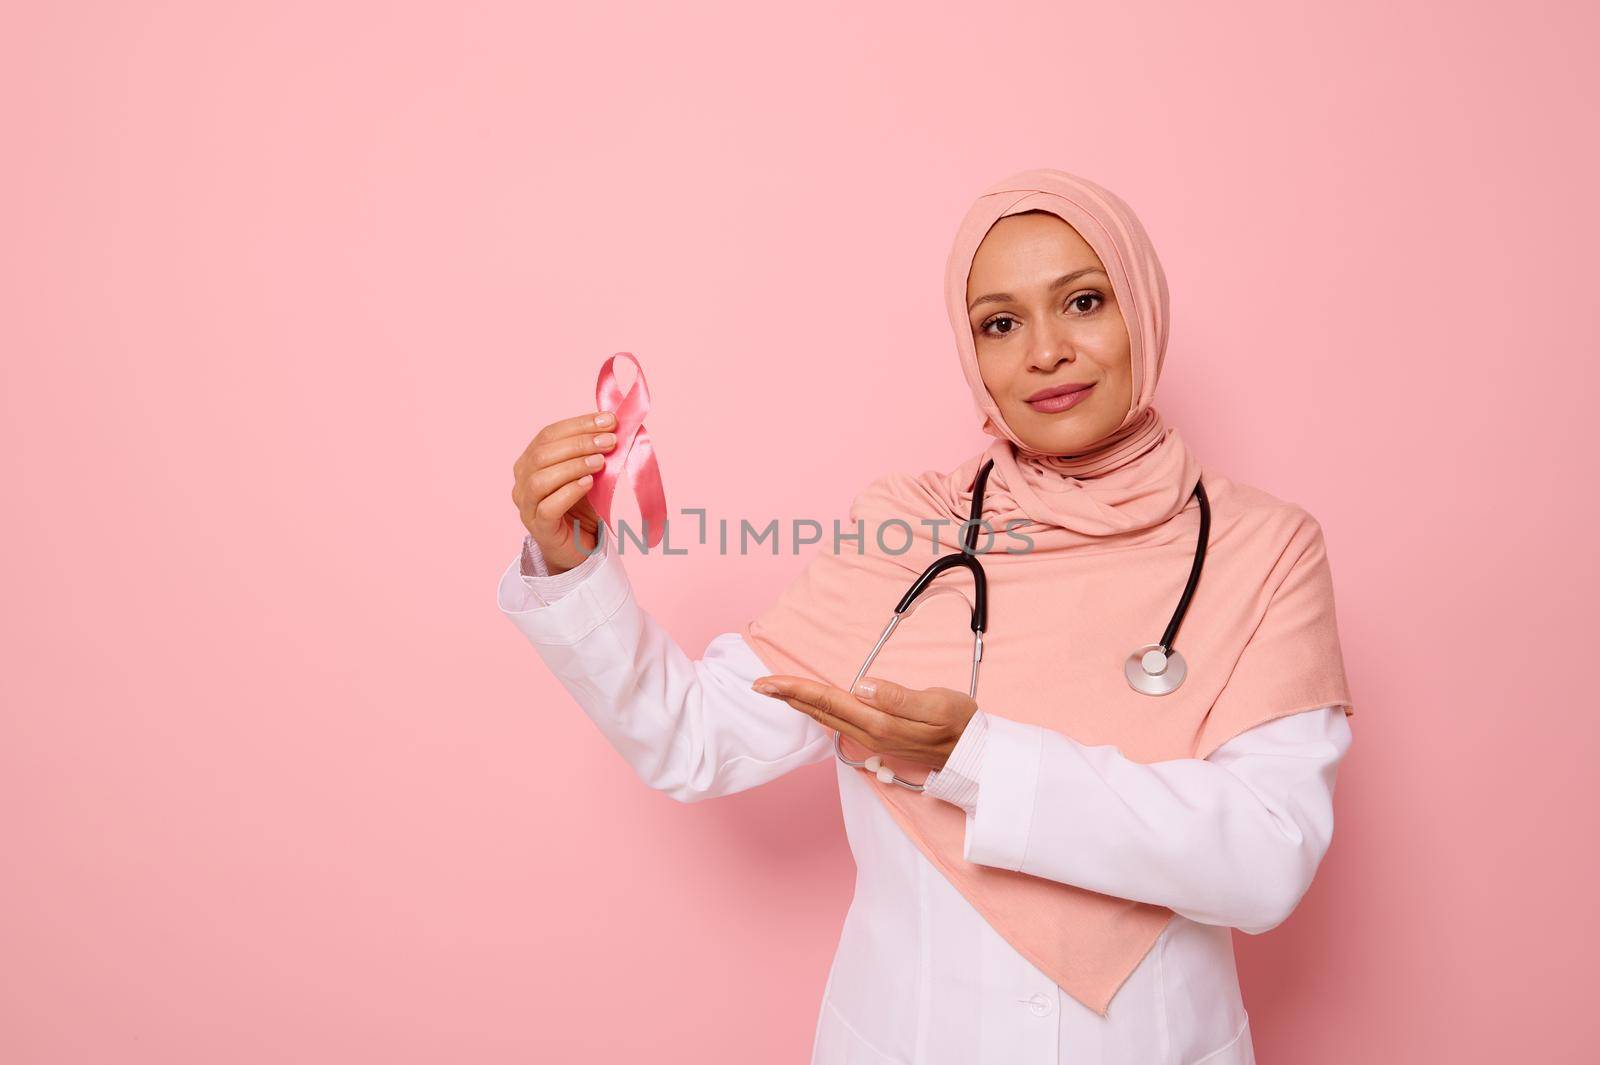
(289, 286)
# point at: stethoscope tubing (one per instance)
(1155, 669)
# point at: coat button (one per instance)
(1038, 1005)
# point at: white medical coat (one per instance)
(919, 977)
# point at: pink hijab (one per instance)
(1113, 532)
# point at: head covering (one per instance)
(1113, 533)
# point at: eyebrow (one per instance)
(1006, 297)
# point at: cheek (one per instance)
(1112, 353)
(993, 372)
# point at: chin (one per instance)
(1060, 443)
(1058, 434)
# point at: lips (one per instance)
(1059, 398)
(1058, 390)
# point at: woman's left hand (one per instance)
(918, 724)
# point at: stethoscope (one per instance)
(1154, 669)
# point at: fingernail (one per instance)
(605, 418)
(586, 480)
(605, 440)
(594, 462)
(867, 688)
(764, 688)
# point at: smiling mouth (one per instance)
(1054, 400)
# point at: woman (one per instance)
(1064, 885)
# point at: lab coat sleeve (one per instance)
(1233, 839)
(691, 728)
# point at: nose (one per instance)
(1050, 345)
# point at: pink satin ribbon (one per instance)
(634, 455)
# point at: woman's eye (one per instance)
(1093, 300)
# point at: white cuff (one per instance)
(545, 587)
(957, 782)
(591, 601)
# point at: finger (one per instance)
(836, 703)
(896, 699)
(845, 728)
(585, 443)
(550, 510)
(541, 484)
(564, 439)
(595, 421)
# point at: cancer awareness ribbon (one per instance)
(634, 456)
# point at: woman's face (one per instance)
(1044, 317)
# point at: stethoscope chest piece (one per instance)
(1153, 670)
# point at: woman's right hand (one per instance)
(553, 476)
